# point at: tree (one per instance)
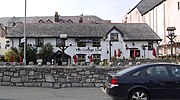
(31, 53)
(14, 52)
(46, 53)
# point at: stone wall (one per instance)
(54, 76)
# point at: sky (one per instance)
(113, 10)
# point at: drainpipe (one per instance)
(164, 22)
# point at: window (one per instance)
(41, 21)
(21, 42)
(132, 53)
(157, 71)
(61, 21)
(178, 5)
(175, 71)
(96, 58)
(150, 45)
(81, 44)
(96, 44)
(39, 42)
(11, 24)
(81, 57)
(60, 42)
(114, 36)
(136, 73)
(69, 21)
(49, 21)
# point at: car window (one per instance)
(124, 71)
(136, 73)
(157, 71)
(175, 71)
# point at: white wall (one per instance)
(3, 48)
(103, 50)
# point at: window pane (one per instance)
(114, 36)
(175, 71)
(81, 58)
(96, 44)
(60, 42)
(150, 45)
(96, 58)
(81, 44)
(136, 73)
(39, 42)
(157, 71)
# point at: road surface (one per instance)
(28, 93)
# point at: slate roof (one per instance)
(144, 6)
(131, 31)
(86, 19)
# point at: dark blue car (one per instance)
(145, 82)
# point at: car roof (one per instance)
(142, 66)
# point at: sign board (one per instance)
(22, 40)
(63, 36)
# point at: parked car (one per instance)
(145, 82)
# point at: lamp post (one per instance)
(25, 36)
(171, 36)
(63, 46)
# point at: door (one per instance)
(159, 82)
(175, 70)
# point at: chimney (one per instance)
(81, 19)
(56, 17)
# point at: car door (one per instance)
(175, 70)
(159, 82)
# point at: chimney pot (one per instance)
(56, 17)
(81, 20)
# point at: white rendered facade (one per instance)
(126, 47)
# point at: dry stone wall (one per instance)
(54, 76)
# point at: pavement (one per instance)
(29, 93)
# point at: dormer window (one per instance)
(49, 21)
(11, 24)
(61, 21)
(69, 21)
(41, 21)
(18, 22)
(114, 36)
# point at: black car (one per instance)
(145, 82)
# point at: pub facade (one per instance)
(90, 43)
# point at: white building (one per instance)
(4, 46)
(159, 15)
(90, 41)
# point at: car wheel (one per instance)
(139, 95)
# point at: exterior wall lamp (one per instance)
(171, 35)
